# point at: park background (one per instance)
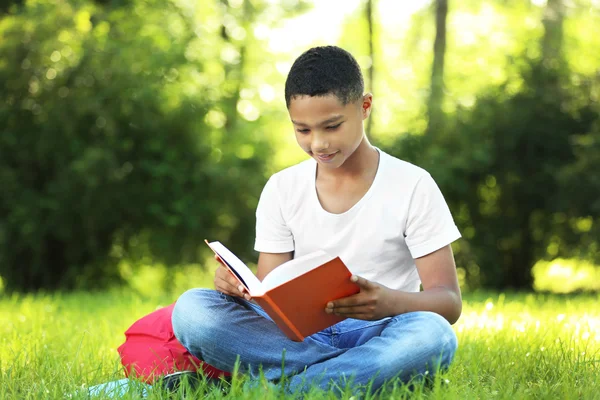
(131, 130)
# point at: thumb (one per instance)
(361, 282)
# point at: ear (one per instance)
(366, 105)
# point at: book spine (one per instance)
(281, 320)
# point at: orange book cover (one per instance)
(295, 294)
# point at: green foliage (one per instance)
(111, 143)
(131, 130)
(509, 168)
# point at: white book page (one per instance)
(293, 268)
(255, 287)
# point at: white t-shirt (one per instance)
(402, 216)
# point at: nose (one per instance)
(319, 142)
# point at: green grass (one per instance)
(512, 346)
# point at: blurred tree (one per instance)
(240, 133)
(435, 112)
(504, 163)
(115, 140)
(6, 5)
(371, 69)
(575, 228)
(552, 41)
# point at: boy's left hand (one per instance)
(371, 303)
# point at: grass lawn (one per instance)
(512, 346)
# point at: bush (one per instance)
(507, 168)
(106, 150)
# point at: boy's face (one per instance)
(326, 129)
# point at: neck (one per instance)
(363, 161)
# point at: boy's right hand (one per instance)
(227, 283)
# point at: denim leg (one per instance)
(399, 347)
(218, 328)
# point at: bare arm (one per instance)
(441, 293)
(267, 262)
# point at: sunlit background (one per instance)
(134, 129)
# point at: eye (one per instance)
(302, 130)
(333, 127)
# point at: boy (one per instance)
(384, 217)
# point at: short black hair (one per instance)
(325, 70)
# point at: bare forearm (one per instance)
(267, 262)
(440, 300)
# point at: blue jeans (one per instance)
(218, 329)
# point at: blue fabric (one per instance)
(117, 389)
(218, 328)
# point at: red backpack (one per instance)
(151, 349)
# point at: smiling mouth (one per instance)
(325, 157)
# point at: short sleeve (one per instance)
(430, 225)
(272, 233)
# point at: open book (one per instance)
(295, 293)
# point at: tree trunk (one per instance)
(436, 95)
(235, 73)
(371, 69)
(519, 260)
(552, 40)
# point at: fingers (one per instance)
(351, 311)
(361, 298)
(362, 305)
(366, 312)
(346, 304)
(363, 283)
(226, 283)
(220, 260)
(226, 287)
(351, 305)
